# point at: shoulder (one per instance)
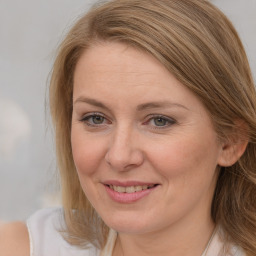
(46, 228)
(14, 238)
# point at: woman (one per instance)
(154, 108)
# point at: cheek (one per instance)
(187, 157)
(87, 153)
(188, 168)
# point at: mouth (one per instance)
(126, 192)
(130, 189)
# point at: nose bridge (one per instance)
(123, 151)
(122, 137)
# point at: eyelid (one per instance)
(171, 121)
(89, 115)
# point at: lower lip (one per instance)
(128, 197)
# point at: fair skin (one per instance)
(133, 124)
(14, 239)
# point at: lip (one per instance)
(128, 198)
(127, 183)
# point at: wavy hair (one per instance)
(198, 44)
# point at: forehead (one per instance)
(113, 62)
(118, 57)
(115, 72)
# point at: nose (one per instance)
(124, 152)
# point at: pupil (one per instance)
(160, 121)
(98, 119)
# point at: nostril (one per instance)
(123, 160)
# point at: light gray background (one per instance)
(29, 35)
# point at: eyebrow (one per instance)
(141, 107)
(91, 102)
(160, 104)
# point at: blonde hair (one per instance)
(200, 47)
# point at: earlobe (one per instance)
(234, 147)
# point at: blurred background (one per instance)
(30, 32)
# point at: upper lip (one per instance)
(128, 183)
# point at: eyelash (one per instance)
(168, 121)
(86, 119)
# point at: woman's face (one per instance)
(143, 144)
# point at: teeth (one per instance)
(130, 189)
(119, 189)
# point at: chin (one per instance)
(134, 225)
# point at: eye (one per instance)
(97, 119)
(94, 119)
(160, 121)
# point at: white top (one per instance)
(45, 239)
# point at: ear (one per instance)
(234, 146)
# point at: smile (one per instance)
(128, 193)
(130, 189)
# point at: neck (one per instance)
(189, 241)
